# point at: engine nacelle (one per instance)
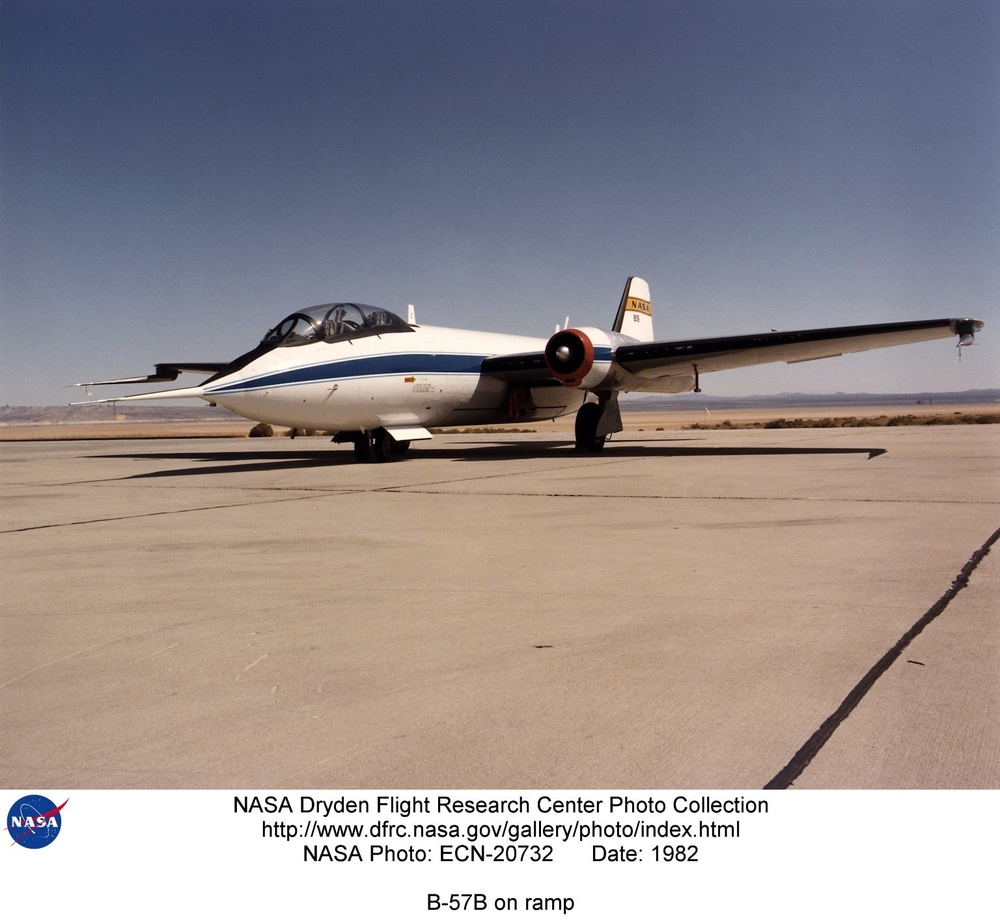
(584, 358)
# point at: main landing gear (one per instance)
(378, 445)
(596, 421)
(587, 418)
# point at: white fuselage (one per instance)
(429, 376)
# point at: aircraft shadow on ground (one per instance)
(199, 463)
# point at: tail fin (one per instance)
(635, 315)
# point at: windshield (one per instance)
(329, 322)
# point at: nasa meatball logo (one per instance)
(34, 821)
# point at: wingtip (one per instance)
(966, 329)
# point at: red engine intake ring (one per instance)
(569, 355)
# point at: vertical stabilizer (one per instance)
(635, 315)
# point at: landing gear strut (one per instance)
(362, 447)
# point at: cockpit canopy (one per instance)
(331, 322)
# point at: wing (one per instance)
(671, 366)
(523, 368)
(165, 371)
(663, 359)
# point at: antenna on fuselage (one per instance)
(411, 315)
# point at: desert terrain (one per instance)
(82, 423)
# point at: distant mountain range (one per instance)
(131, 412)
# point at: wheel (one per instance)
(400, 447)
(362, 448)
(587, 438)
(382, 445)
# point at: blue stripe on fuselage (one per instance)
(369, 366)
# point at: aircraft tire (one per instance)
(382, 445)
(587, 438)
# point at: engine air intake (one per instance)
(570, 356)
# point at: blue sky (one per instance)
(177, 176)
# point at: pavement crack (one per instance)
(176, 511)
(801, 759)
